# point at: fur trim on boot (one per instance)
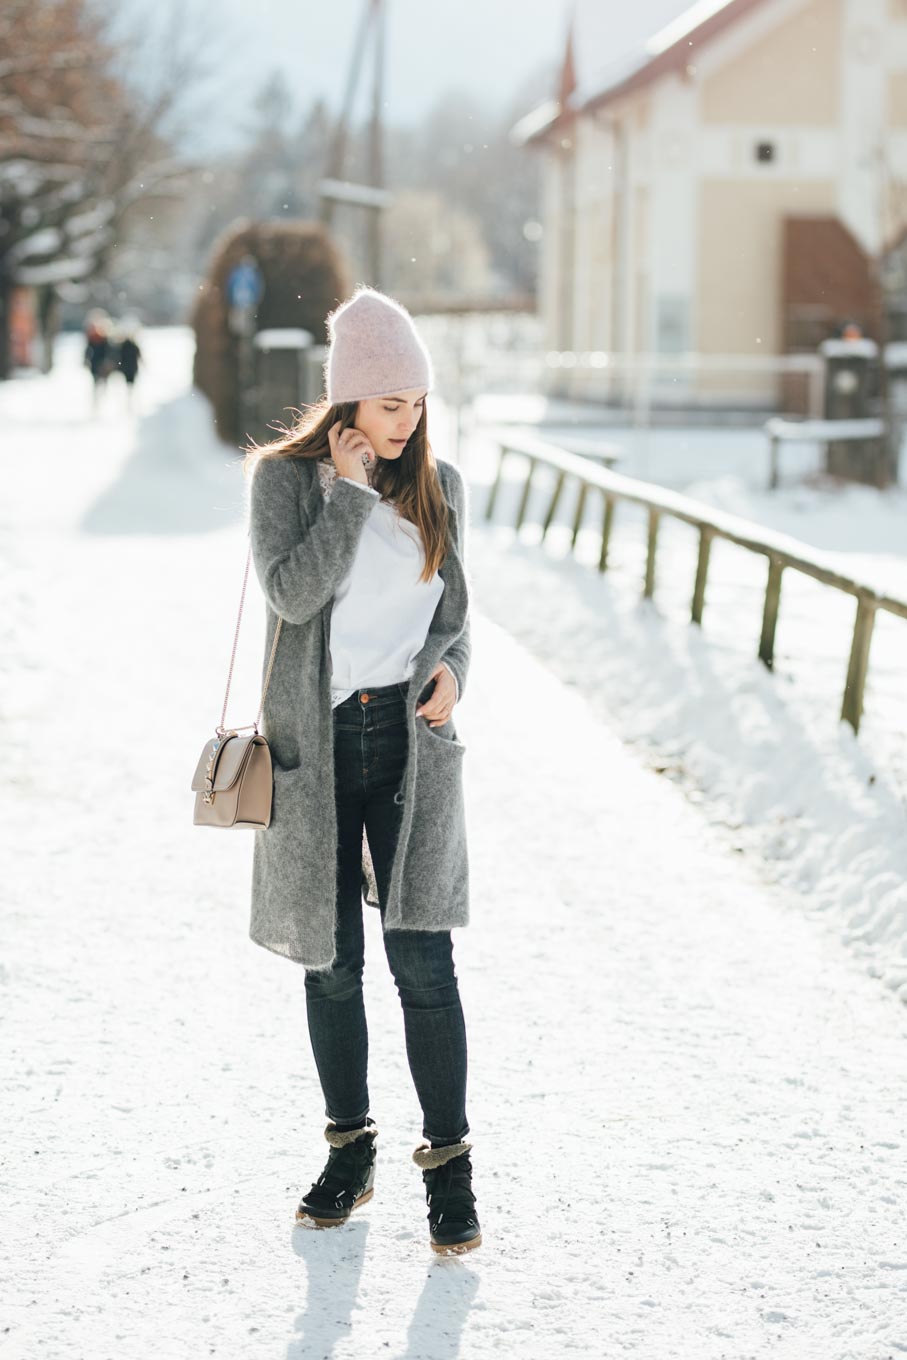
(427, 1157)
(452, 1219)
(347, 1180)
(339, 1138)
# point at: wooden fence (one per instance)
(782, 552)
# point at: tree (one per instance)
(462, 149)
(78, 147)
(269, 170)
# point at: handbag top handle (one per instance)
(221, 729)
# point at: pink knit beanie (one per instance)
(374, 349)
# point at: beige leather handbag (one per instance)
(234, 781)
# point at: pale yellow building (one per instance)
(725, 194)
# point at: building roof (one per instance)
(669, 50)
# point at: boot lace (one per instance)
(449, 1192)
(343, 1176)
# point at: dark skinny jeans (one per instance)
(370, 752)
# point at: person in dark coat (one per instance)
(128, 360)
(129, 356)
(358, 540)
(100, 353)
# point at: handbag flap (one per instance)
(230, 757)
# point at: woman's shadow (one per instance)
(444, 1304)
(334, 1260)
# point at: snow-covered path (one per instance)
(687, 1102)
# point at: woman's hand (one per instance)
(439, 707)
(347, 449)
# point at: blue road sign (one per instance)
(244, 285)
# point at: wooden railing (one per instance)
(783, 553)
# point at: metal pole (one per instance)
(376, 144)
(338, 150)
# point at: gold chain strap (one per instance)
(221, 729)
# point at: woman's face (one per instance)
(388, 422)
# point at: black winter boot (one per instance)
(452, 1218)
(347, 1180)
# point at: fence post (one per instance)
(606, 532)
(702, 567)
(524, 499)
(552, 508)
(578, 513)
(852, 707)
(654, 517)
(493, 493)
(774, 441)
(770, 611)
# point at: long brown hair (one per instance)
(410, 481)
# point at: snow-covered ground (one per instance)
(765, 756)
(686, 1099)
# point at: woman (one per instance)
(358, 537)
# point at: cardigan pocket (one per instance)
(440, 755)
(437, 849)
(446, 734)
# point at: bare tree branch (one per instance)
(54, 61)
(81, 145)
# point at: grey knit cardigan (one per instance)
(303, 544)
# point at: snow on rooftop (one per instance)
(684, 23)
(608, 69)
(613, 72)
(601, 66)
(534, 122)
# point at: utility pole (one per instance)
(334, 188)
(376, 142)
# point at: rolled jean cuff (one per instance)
(442, 1138)
(354, 1119)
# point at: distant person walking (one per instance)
(100, 353)
(358, 538)
(129, 356)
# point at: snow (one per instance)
(847, 349)
(764, 755)
(896, 354)
(283, 337)
(686, 1096)
(813, 430)
(691, 19)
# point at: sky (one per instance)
(486, 47)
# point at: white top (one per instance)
(381, 610)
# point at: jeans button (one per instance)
(365, 698)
